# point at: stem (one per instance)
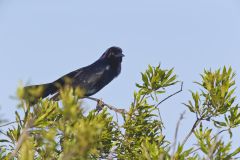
(170, 96)
(122, 111)
(160, 117)
(4, 125)
(192, 130)
(22, 138)
(224, 130)
(176, 134)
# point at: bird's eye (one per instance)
(113, 53)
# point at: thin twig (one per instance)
(4, 125)
(121, 111)
(224, 130)
(159, 114)
(116, 116)
(176, 133)
(170, 95)
(160, 117)
(143, 96)
(191, 131)
(3, 133)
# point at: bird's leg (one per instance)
(100, 105)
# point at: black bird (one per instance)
(89, 79)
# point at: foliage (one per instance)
(63, 130)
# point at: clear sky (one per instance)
(42, 40)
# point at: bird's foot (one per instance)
(100, 105)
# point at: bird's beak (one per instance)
(121, 55)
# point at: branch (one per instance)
(192, 130)
(102, 104)
(194, 127)
(4, 125)
(160, 117)
(224, 130)
(3, 133)
(176, 133)
(170, 96)
(215, 136)
(22, 138)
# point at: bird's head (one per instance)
(113, 54)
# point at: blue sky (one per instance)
(42, 40)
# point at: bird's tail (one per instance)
(34, 92)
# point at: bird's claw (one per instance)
(100, 105)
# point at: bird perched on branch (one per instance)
(89, 79)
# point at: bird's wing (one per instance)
(70, 76)
(90, 78)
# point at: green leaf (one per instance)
(219, 124)
(144, 78)
(237, 151)
(4, 140)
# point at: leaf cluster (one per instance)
(64, 130)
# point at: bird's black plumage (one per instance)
(91, 78)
